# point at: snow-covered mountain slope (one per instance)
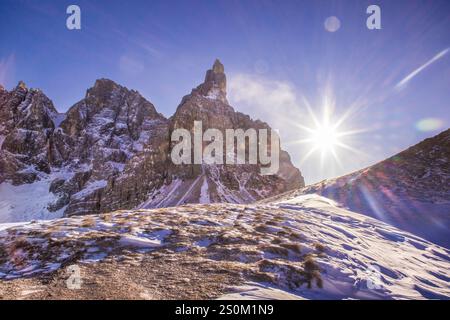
(30, 201)
(410, 190)
(213, 184)
(303, 247)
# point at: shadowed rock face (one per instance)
(104, 134)
(225, 183)
(111, 150)
(26, 124)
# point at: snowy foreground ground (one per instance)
(302, 248)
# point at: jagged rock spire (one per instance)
(215, 84)
(21, 85)
(216, 76)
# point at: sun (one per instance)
(326, 133)
(325, 138)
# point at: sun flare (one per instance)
(326, 135)
(325, 138)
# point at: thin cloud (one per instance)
(140, 43)
(130, 66)
(7, 69)
(402, 84)
(262, 97)
(272, 101)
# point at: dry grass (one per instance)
(276, 250)
(295, 247)
(107, 217)
(312, 271)
(88, 222)
(319, 247)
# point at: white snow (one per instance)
(159, 198)
(188, 192)
(203, 243)
(204, 192)
(139, 242)
(214, 94)
(5, 226)
(26, 202)
(117, 165)
(356, 243)
(142, 240)
(258, 291)
(90, 187)
(29, 202)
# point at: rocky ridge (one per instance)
(111, 150)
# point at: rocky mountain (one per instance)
(111, 150)
(409, 190)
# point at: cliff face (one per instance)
(26, 124)
(111, 150)
(222, 182)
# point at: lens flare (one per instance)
(332, 24)
(429, 124)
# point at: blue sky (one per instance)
(277, 55)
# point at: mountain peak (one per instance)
(102, 88)
(21, 85)
(218, 67)
(216, 75)
(104, 83)
(215, 84)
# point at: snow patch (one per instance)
(89, 188)
(204, 192)
(139, 242)
(214, 94)
(27, 202)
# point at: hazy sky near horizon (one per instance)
(393, 83)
